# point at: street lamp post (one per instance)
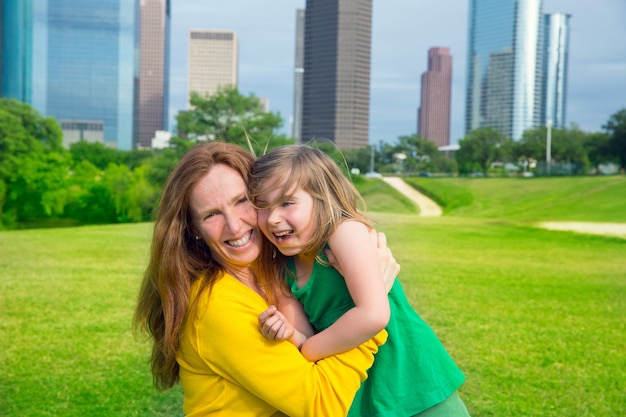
(548, 145)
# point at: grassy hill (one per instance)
(593, 199)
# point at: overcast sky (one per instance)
(402, 33)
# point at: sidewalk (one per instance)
(606, 229)
(428, 208)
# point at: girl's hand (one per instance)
(274, 326)
(389, 268)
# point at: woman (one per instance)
(202, 293)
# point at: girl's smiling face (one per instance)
(287, 220)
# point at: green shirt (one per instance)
(412, 371)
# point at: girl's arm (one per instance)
(356, 257)
(294, 324)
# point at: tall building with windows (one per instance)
(555, 63)
(298, 77)
(336, 87)
(213, 61)
(99, 68)
(152, 91)
(83, 58)
(504, 75)
(16, 30)
(433, 120)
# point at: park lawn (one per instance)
(68, 295)
(587, 199)
(66, 302)
(534, 318)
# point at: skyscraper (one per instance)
(555, 60)
(434, 112)
(99, 68)
(336, 86)
(504, 75)
(16, 29)
(151, 95)
(88, 61)
(213, 61)
(298, 77)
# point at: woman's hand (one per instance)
(389, 268)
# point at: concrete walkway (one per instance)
(606, 229)
(428, 208)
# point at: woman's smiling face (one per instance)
(224, 218)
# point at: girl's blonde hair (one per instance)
(290, 167)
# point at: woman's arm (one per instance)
(275, 373)
(356, 258)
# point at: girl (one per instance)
(305, 206)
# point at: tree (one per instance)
(231, 117)
(597, 147)
(33, 165)
(359, 158)
(96, 153)
(421, 154)
(616, 127)
(480, 148)
(566, 146)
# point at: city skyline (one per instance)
(399, 43)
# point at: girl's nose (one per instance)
(274, 217)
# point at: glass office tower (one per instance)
(16, 31)
(555, 63)
(298, 77)
(90, 64)
(504, 75)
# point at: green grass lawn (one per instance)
(592, 199)
(535, 318)
(66, 302)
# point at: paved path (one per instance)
(428, 208)
(607, 229)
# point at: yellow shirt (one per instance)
(227, 368)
